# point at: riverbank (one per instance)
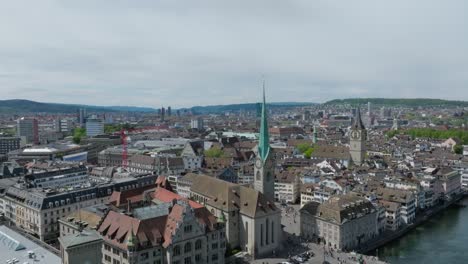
(389, 236)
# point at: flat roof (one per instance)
(14, 246)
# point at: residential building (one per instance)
(197, 123)
(287, 186)
(8, 144)
(64, 125)
(406, 200)
(192, 154)
(343, 222)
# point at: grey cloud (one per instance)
(185, 53)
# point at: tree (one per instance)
(214, 152)
(78, 134)
(458, 149)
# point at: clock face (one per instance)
(258, 163)
(355, 134)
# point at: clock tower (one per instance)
(264, 171)
(357, 140)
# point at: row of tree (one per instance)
(431, 133)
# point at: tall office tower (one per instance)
(28, 129)
(163, 113)
(81, 118)
(169, 111)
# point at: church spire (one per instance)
(358, 121)
(264, 141)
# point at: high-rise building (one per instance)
(27, 128)
(357, 141)
(163, 113)
(264, 171)
(81, 117)
(169, 111)
(197, 123)
(369, 108)
(94, 126)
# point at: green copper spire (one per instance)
(132, 241)
(264, 141)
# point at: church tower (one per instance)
(264, 178)
(357, 140)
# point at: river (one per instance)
(442, 239)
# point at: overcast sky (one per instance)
(185, 53)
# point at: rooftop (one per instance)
(14, 246)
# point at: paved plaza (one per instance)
(294, 245)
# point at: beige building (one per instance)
(253, 223)
(343, 222)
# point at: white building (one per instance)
(94, 127)
(197, 123)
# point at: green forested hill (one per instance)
(415, 102)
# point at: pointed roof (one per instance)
(358, 121)
(264, 140)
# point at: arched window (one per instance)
(258, 176)
(272, 232)
(268, 176)
(198, 244)
(187, 247)
(176, 251)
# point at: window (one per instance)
(197, 258)
(188, 260)
(187, 247)
(114, 261)
(214, 246)
(214, 236)
(188, 228)
(214, 257)
(107, 258)
(107, 247)
(258, 176)
(144, 256)
(198, 244)
(176, 251)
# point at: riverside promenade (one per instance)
(389, 236)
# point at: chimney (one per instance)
(129, 207)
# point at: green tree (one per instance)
(214, 152)
(78, 134)
(458, 149)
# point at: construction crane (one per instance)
(124, 136)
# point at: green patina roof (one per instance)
(264, 141)
(222, 218)
(132, 240)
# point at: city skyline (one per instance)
(154, 54)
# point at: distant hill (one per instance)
(398, 102)
(27, 106)
(212, 109)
